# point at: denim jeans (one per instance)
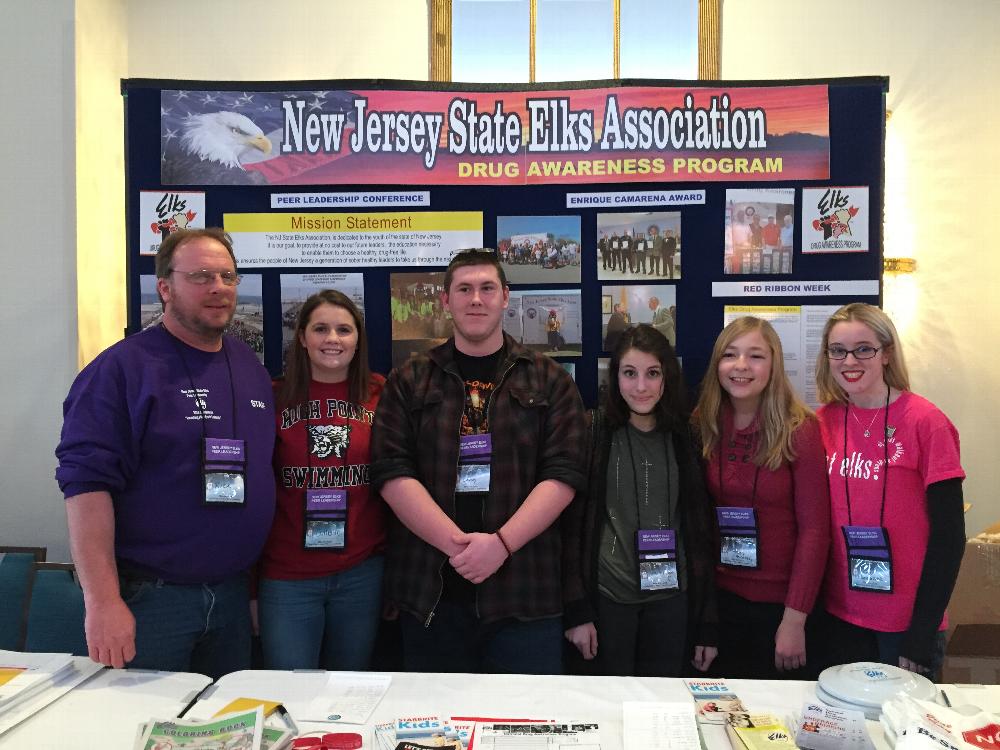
(322, 623)
(456, 641)
(203, 628)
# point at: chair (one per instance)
(55, 611)
(16, 570)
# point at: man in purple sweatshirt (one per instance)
(165, 462)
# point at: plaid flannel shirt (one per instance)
(536, 419)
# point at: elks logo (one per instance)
(327, 439)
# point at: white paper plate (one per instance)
(870, 684)
(870, 712)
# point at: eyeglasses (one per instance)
(860, 352)
(204, 276)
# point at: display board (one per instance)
(612, 203)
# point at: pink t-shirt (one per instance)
(923, 449)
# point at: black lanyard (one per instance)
(635, 477)
(885, 461)
(194, 391)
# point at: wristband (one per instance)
(503, 542)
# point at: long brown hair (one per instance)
(781, 410)
(669, 410)
(294, 389)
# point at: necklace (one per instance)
(868, 429)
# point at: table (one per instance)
(527, 697)
(105, 710)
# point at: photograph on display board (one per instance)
(655, 304)
(164, 211)
(547, 321)
(569, 367)
(835, 220)
(539, 249)
(248, 320)
(296, 288)
(419, 320)
(639, 245)
(760, 227)
(603, 368)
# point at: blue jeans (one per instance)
(322, 623)
(456, 641)
(203, 628)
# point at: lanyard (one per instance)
(885, 461)
(635, 477)
(194, 391)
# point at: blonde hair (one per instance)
(895, 372)
(782, 412)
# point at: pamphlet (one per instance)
(347, 698)
(423, 732)
(827, 728)
(243, 730)
(537, 735)
(758, 732)
(713, 700)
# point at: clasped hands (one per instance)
(481, 557)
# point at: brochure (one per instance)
(758, 732)
(713, 700)
(243, 730)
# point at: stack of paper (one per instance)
(416, 732)
(23, 676)
(758, 732)
(242, 729)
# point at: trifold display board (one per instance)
(612, 203)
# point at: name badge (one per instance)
(325, 519)
(224, 470)
(656, 552)
(474, 455)
(739, 536)
(869, 558)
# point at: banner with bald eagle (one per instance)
(560, 136)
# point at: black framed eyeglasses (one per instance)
(860, 352)
(204, 276)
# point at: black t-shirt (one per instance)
(480, 375)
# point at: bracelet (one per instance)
(503, 542)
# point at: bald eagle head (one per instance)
(223, 137)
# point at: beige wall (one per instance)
(249, 40)
(941, 188)
(37, 264)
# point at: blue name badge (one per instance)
(739, 536)
(474, 454)
(869, 558)
(656, 552)
(325, 519)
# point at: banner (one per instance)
(405, 137)
(401, 238)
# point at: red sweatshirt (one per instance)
(793, 515)
(327, 464)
